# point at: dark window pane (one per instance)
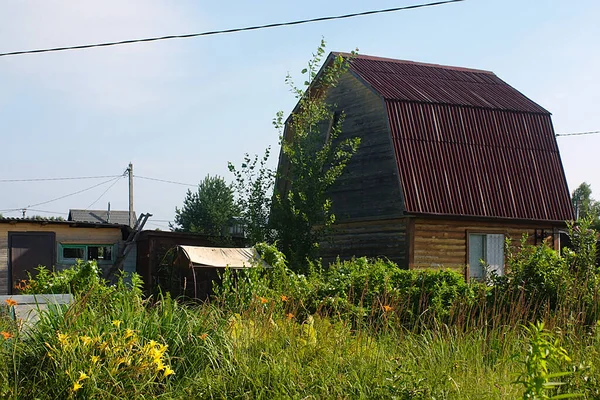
(92, 253)
(73, 252)
(100, 253)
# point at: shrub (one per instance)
(79, 278)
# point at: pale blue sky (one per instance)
(181, 109)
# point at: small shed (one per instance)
(155, 252)
(193, 269)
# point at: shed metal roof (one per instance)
(48, 221)
(219, 257)
(101, 216)
(467, 143)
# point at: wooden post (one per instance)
(131, 218)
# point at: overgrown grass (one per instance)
(360, 329)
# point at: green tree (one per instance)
(254, 185)
(312, 158)
(207, 211)
(585, 206)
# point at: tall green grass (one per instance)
(359, 329)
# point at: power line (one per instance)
(59, 179)
(68, 195)
(234, 30)
(578, 133)
(103, 193)
(164, 181)
(47, 212)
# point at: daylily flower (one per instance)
(11, 302)
(6, 335)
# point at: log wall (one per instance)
(376, 238)
(442, 243)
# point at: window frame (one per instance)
(486, 232)
(85, 247)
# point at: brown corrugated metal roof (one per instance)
(467, 143)
(431, 83)
(480, 162)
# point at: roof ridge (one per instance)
(423, 64)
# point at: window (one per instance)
(486, 250)
(68, 253)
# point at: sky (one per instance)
(181, 109)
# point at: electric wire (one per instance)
(58, 179)
(578, 133)
(68, 195)
(103, 193)
(164, 181)
(47, 212)
(234, 30)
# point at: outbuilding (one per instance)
(192, 270)
(26, 243)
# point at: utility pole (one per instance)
(130, 172)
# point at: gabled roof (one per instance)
(467, 143)
(101, 216)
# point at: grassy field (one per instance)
(360, 329)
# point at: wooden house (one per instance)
(452, 161)
(27, 243)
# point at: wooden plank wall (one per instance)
(369, 188)
(367, 200)
(442, 243)
(64, 234)
(378, 238)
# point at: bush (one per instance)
(77, 279)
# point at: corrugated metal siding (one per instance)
(430, 83)
(480, 162)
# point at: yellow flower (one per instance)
(63, 338)
(95, 359)
(263, 300)
(11, 302)
(128, 333)
(168, 371)
(290, 316)
(159, 365)
(82, 376)
(86, 340)
(76, 386)
(117, 322)
(204, 336)
(387, 308)
(6, 335)
(284, 298)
